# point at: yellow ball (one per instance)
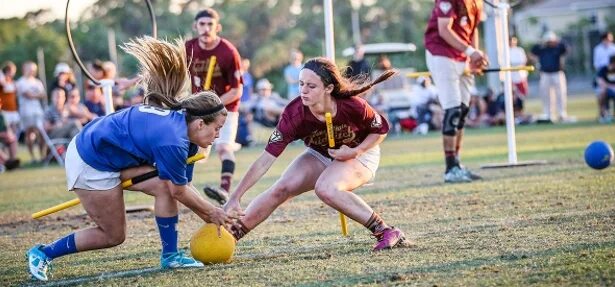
(207, 247)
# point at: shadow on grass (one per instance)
(98, 278)
(402, 275)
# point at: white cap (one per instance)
(549, 36)
(263, 84)
(61, 68)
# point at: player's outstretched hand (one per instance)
(344, 153)
(219, 217)
(233, 208)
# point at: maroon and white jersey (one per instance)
(466, 15)
(355, 119)
(227, 74)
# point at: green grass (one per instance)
(538, 225)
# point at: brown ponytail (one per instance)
(342, 87)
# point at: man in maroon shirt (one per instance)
(226, 81)
(451, 41)
(331, 172)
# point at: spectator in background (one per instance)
(63, 78)
(518, 58)
(603, 51)
(358, 65)
(120, 86)
(8, 95)
(268, 106)
(495, 113)
(424, 106)
(396, 82)
(7, 137)
(550, 54)
(477, 110)
(291, 74)
(94, 100)
(30, 92)
(519, 80)
(96, 69)
(388, 95)
(57, 122)
(602, 54)
(76, 110)
(244, 129)
(606, 87)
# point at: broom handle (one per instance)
(125, 184)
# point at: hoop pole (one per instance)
(502, 9)
(330, 53)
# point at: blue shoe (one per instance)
(38, 263)
(178, 260)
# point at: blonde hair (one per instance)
(163, 70)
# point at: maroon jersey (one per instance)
(227, 74)
(466, 15)
(355, 119)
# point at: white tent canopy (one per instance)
(382, 48)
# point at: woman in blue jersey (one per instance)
(162, 133)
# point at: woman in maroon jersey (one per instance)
(330, 172)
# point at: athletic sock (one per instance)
(457, 149)
(375, 224)
(61, 247)
(167, 227)
(239, 232)
(451, 160)
(228, 168)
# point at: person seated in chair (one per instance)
(57, 124)
(268, 105)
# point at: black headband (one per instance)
(202, 113)
(209, 13)
(320, 71)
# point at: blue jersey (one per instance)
(139, 135)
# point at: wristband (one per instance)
(469, 51)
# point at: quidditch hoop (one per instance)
(69, 36)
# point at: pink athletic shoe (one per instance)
(388, 238)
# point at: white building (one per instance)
(557, 15)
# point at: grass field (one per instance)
(550, 224)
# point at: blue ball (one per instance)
(599, 155)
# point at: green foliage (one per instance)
(263, 30)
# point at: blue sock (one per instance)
(61, 247)
(167, 227)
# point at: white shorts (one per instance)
(370, 159)
(449, 78)
(12, 118)
(228, 132)
(81, 175)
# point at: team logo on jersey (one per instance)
(463, 21)
(276, 136)
(196, 80)
(377, 122)
(445, 6)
